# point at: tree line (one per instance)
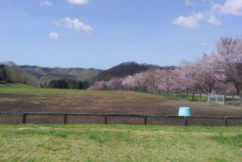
(219, 71)
(11, 73)
(66, 84)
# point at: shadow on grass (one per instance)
(229, 140)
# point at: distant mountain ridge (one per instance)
(44, 74)
(38, 75)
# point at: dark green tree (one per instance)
(58, 84)
(4, 74)
(86, 85)
(52, 84)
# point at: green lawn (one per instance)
(25, 89)
(119, 143)
(110, 142)
(177, 96)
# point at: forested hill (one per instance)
(44, 74)
(11, 73)
(125, 69)
(36, 75)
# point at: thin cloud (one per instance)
(24, 13)
(189, 3)
(78, 2)
(214, 21)
(76, 24)
(54, 35)
(230, 7)
(46, 3)
(190, 22)
(204, 44)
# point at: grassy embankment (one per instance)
(119, 143)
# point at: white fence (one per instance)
(216, 98)
(224, 99)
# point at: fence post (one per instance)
(208, 97)
(240, 96)
(145, 120)
(105, 119)
(24, 118)
(185, 121)
(224, 99)
(232, 99)
(65, 118)
(225, 121)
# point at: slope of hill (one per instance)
(11, 73)
(124, 69)
(44, 74)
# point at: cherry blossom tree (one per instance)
(99, 85)
(205, 76)
(230, 60)
(187, 76)
(114, 84)
(214, 71)
(129, 82)
(163, 80)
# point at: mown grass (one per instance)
(113, 142)
(181, 97)
(28, 90)
(184, 97)
(25, 89)
(119, 143)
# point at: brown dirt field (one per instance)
(122, 102)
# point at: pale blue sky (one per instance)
(103, 33)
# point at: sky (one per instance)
(104, 33)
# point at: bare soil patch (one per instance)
(123, 102)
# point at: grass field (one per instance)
(119, 143)
(177, 96)
(22, 98)
(90, 142)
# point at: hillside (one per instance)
(37, 74)
(125, 69)
(44, 74)
(11, 73)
